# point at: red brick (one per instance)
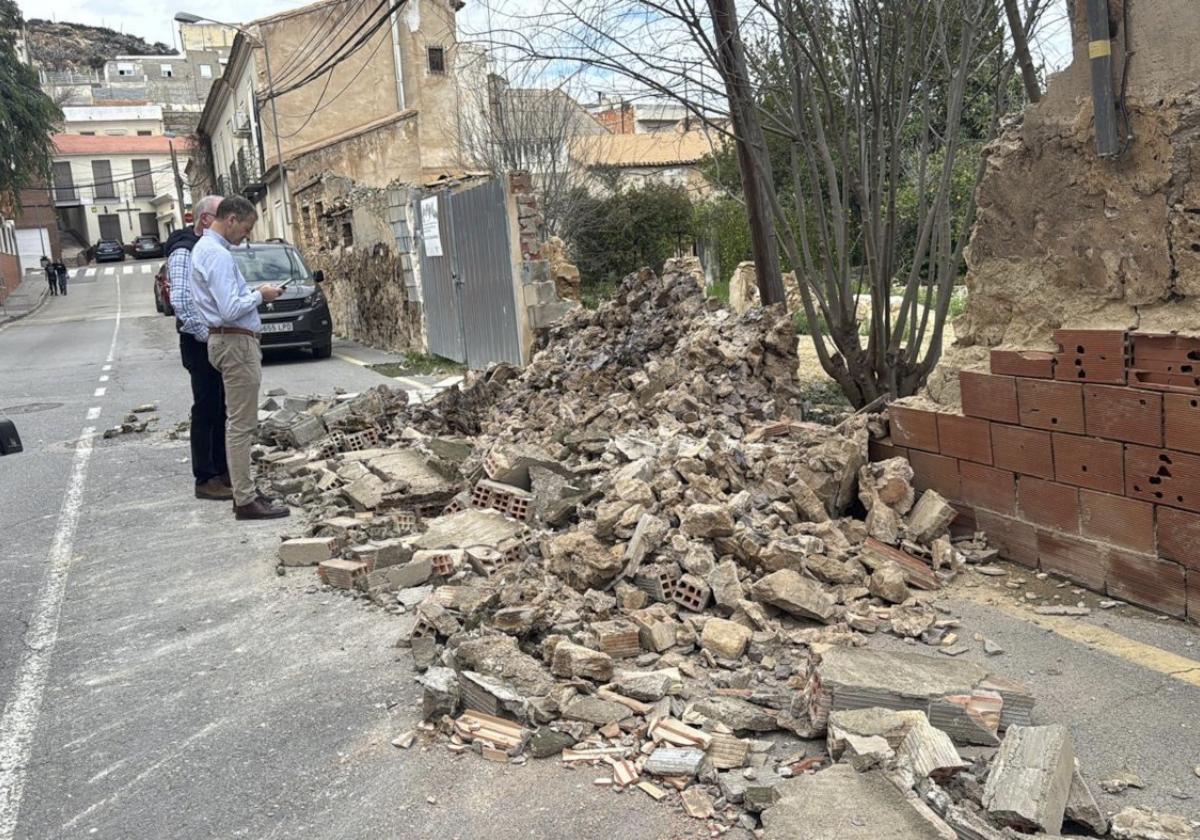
(882, 450)
(1089, 462)
(1054, 406)
(1083, 562)
(1016, 540)
(1179, 537)
(1123, 414)
(1031, 364)
(1175, 383)
(1165, 353)
(968, 438)
(1091, 355)
(1123, 522)
(1048, 504)
(913, 428)
(988, 488)
(1181, 414)
(935, 472)
(990, 397)
(1163, 476)
(1146, 580)
(1024, 451)
(1193, 596)
(964, 524)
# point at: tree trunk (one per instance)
(1021, 47)
(752, 150)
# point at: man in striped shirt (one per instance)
(209, 466)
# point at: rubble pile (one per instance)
(639, 565)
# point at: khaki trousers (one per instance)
(239, 359)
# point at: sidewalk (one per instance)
(26, 298)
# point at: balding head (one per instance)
(206, 211)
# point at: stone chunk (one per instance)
(726, 588)
(930, 752)
(595, 711)
(1030, 781)
(572, 660)
(725, 639)
(888, 583)
(738, 714)
(872, 722)
(675, 761)
(1143, 824)
(413, 573)
(842, 804)
(707, 521)
(795, 594)
(648, 686)
(440, 693)
(865, 752)
(581, 560)
(930, 518)
(1082, 807)
(308, 551)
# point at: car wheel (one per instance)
(168, 309)
(322, 351)
(158, 304)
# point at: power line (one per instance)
(303, 59)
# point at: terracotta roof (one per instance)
(82, 144)
(658, 148)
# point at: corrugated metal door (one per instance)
(443, 314)
(470, 304)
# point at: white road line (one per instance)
(94, 413)
(106, 367)
(99, 392)
(108, 272)
(91, 272)
(103, 378)
(112, 347)
(19, 723)
(127, 269)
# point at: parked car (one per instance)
(299, 318)
(162, 292)
(109, 250)
(145, 247)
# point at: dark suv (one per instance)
(299, 318)
(109, 250)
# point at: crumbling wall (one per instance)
(368, 298)
(1067, 239)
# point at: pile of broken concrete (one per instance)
(643, 561)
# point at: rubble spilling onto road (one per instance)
(636, 558)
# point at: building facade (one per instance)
(118, 187)
(384, 113)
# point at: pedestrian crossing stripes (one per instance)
(109, 271)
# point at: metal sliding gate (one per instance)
(467, 274)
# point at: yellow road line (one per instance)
(349, 359)
(1100, 638)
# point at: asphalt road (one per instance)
(159, 681)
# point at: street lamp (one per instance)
(188, 17)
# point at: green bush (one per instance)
(612, 236)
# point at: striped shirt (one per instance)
(179, 271)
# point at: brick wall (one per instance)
(1084, 463)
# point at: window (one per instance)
(143, 181)
(347, 234)
(222, 61)
(306, 222)
(126, 69)
(102, 183)
(87, 134)
(110, 227)
(143, 133)
(205, 71)
(437, 59)
(64, 185)
(166, 70)
(148, 223)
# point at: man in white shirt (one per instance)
(230, 309)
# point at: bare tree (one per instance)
(506, 126)
(875, 101)
(1020, 37)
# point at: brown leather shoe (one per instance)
(225, 479)
(260, 508)
(213, 489)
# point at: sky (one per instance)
(153, 19)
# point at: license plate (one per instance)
(285, 326)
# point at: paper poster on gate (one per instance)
(429, 227)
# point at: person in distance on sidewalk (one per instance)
(230, 309)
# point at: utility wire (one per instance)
(306, 57)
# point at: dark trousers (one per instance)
(53, 285)
(208, 410)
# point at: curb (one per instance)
(11, 319)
